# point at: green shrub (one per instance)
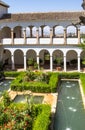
(36, 86)
(43, 119)
(69, 75)
(6, 99)
(82, 78)
(53, 82)
(12, 73)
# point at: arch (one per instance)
(46, 31)
(59, 31)
(18, 32)
(31, 54)
(34, 31)
(71, 60)
(57, 58)
(44, 56)
(82, 57)
(6, 32)
(27, 32)
(82, 31)
(19, 58)
(7, 58)
(71, 31)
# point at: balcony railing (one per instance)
(72, 40)
(44, 40)
(31, 41)
(58, 40)
(16, 41)
(6, 41)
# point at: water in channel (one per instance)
(70, 112)
(4, 85)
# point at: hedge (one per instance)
(19, 85)
(12, 73)
(43, 119)
(69, 75)
(82, 78)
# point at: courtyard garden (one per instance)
(30, 116)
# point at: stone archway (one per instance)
(31, 55)
(19, 59)
(7, 59)
(44, 56)
(57, 59)
(82, 58)
(6, 32)
(71, 60)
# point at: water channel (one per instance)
(70, 113)
(4, 85)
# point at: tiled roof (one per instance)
(4, 4)
(74, 16)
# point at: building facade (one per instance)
(45, 37)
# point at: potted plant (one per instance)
(58, 61)
(36, 65)
(31, 63)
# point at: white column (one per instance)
(37, 35)
(51, 36)
(51, 63)
(38, 61)
(12, 59)
(79, 39)
(65, 63)
(78, 63)
(24, 36)
(12, 36)
(65, 34)
(25, 66)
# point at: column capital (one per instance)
(78, 56)
(12, 29)
(51, 56)
(37, 55)
(78, 29)
(64, 29)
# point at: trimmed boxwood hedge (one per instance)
(12, 73)
(69, 75)
(51, 86)
(35, 86)
(43, 119)
(82, 78)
